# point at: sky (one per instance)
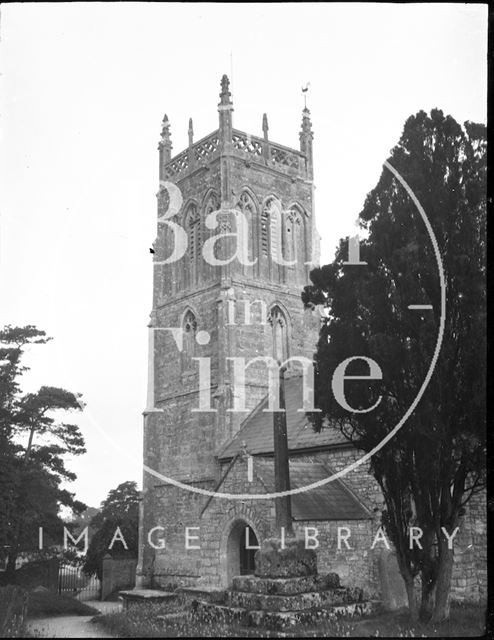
(84, 87)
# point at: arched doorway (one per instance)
(247, 539)
(240, 558)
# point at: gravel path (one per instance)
(72, 626)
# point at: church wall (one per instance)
(180, 440)
(177, 512)
(175, 509)
(255, 339)
(220, 517)
(356, 566)
(469, 579)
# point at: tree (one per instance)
(83, 520)
(31, 474)
(120, 510)
(430, 469)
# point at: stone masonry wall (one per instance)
(117, 574)
(469, 579)
(357, 565)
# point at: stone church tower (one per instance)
(236, 240)
(219, 311)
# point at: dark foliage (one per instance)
(432, 466)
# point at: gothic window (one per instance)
(212, 204)
(193, 256)
(278, 323)
(189, 328)
(248, 207)
(293, 227)
(269, 221)
(246, 204)
(294, 240)
(271, 229)
(287, 240)
(265, 230)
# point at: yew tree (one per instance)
(434, 464)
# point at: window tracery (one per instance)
(278, 322)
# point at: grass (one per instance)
(467, 620)
(46, 603)
(13, 603)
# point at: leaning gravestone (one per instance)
(393, 592)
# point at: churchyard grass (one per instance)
(467, 620)
(45, 603)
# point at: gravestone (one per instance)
(393, 592)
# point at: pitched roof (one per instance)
(331, 501)
(257, 430)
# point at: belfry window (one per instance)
(189, 329)
(212, 204)
(271, 221)
(248, 207)
(294, 237)
(278, 323)
(193, 229)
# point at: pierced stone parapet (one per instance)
(247, 143)
(177, 165)
(202, 152)
(244, 145)
(205, 149)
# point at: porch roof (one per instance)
(330, 501)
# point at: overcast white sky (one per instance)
(84, 90)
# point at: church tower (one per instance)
(236, 240)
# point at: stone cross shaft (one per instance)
(283, 505)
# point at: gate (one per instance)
(73, 582)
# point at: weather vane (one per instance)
(304, 91)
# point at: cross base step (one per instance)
(280, 620)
